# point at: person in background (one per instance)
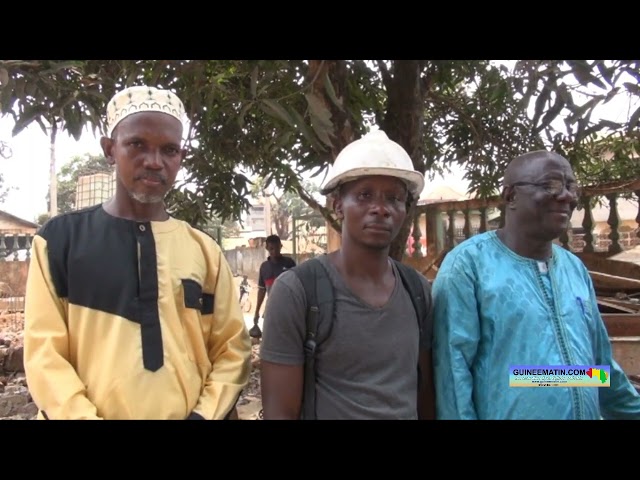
(270, 269)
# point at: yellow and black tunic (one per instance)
(131, 320)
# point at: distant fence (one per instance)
(14, 267)
(15, 246)
(246, 260)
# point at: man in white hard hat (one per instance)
(366, 350)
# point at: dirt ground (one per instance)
(15, 401)
(250, 403)
(11, 325)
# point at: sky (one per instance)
(26, 172)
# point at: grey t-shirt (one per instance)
(367, 365)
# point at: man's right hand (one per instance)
(255, 331)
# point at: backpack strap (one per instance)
(412, 283)
(320, 309)
(320, 299)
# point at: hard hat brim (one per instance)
(413, 179)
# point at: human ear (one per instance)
(107, 148)
(337, 207)
(509, 196)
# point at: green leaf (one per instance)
(54, 67)
(39, 121)
(278, 111)
(332, 93)
(318, 172)
(31, 89)
(320, 118)
(19, 85)
(518, 84)
(632, 88)
(551, 114)
(579, 111)
(133, 76)
(302, 127)
(243, 111)
(6, 98)
(76, 131)
(284, 139)
(254, 82)
(564, 94)
(4, 77)
(607, 73)
(29, 115)
(582, 72)
(611, 94)
(609, 124)
(633, 121)
(541, 102)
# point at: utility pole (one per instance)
(267, 215)
(53, 180)
(266, 197)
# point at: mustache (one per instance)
(156, 177)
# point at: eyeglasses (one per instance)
(554, 187)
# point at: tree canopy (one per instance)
(282, 120)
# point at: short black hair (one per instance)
(273, 239)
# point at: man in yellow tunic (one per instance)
(131, 313)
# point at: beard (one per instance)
(142, 197)
(147, 199)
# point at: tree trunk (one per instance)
(403, 123)
(282, 225)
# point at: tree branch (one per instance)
(326, 213)
(20, 63)
(462, 113)
(426, 83)
(5, 150)
(309, 200)
(305, 87)
(384, 72)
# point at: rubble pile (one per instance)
(250, 403)
(15, 401)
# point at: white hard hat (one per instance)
(374, 154)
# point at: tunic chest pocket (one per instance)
(195, 298)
